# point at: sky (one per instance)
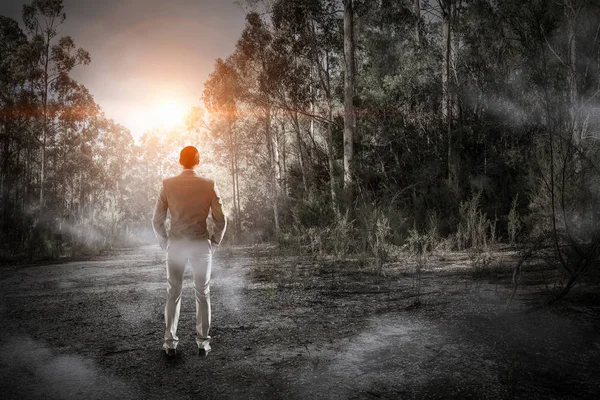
(149, 57)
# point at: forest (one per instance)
(364, 127)
(412, 189)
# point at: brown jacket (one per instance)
(189, 198)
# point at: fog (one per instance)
(31, 369)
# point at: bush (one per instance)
(420, 247)
(377, 240)
(339, 236)
(514, 221)
(564, 214)
(474, 229)
(480, 259)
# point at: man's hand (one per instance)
(213, 246)
(159, 218)
(164, 243)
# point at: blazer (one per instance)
(189, 198)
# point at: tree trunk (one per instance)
(446, 95)
(417, 13)
(6, 182)
(233, 186)
(81, 197)
(311, 146)
(276, 156)
(571, 11)
(282, 160)
(235, 207)
(301, 160)
(348, 97)
(43, 161)
(330, 158)
(238, 221)
(271, 143)
(45, 121)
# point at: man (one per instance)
(190, 199)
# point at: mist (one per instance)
(31, 369)
(410, 191)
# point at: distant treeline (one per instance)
(72, 180)
(366, 121)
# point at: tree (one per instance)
(13, 45)
(54, 61)
(55, 143)
(256, 62)
(220, 96)
(314, 41)
(349, 114)
(417, 13)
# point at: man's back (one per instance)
(189, 198)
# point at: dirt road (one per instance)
(289, 327)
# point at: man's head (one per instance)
(189, 157)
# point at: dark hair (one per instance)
(189, 157)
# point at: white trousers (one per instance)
(199, 255)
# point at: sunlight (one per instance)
(165, 114)
(206, 117)
(168, 114)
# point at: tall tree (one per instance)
(349, 113)
(416, 6)
(220, 96)
(42, 19)
(572, 10)
(13, 76)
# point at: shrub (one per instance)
(420, 247)
(314, 240)
(514, 221)
(339, 236)
(480, 259)
(474, 228)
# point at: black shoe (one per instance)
(171, 352)
(203, 351)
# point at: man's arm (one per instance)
(218, 216)
(159, 218)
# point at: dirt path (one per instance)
(283, 328)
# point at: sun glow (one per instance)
(165, 114)
(168, 114)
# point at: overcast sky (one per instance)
(146, 50)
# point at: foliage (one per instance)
(420, 247)
(474, 229)
(377, 238)
(66, 171)
(453, 120)
(514, 221)
(339, 237)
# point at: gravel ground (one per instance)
(289, 326)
